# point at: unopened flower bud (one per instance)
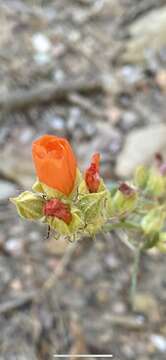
(124, 200)
(159, 158)
(126, 190)
(56, 208)
(92, 177)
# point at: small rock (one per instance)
(129, 120)
(16, 163)
(111, 261)
(58, 75)
(103, 295)
(140, 147)
(42, 58)
(14, 247)
(7, 189)
(131, 74)
(42, 46)
(145, 37)
(16, 285)
(41, 43)
(55, 123)
(159, 342)
(146, 304)
(161, 79)
(80, 127)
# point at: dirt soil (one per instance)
(94, 72)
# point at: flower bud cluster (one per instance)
(76, 205)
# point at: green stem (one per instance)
(122, 225)
(134, 276)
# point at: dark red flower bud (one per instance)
(159, 159)
(92, 177)
(160, 163)
(126, 189)
(57, 208)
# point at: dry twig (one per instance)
(47, 92)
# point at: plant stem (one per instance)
(134, 276)
(122, 225)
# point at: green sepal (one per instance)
(83, 189)
(51, 193)
(37, 187)
(141, 176)
(156, 183)
(153, 221)
(151, 241)
(92, 207)
(29, 205)
(62, 228)
(162, 242)
(161, 245)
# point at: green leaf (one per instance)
(29, 205)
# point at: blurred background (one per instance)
(92, 71)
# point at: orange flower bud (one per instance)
(92, 177)
(57, 208)
(55, 163)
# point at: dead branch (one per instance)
(46, 93)
(13, 304)
(86, 105)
